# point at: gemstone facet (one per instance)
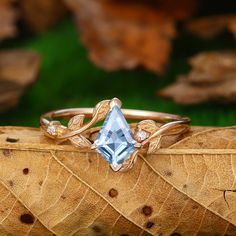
(115, 141)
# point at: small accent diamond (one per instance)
(52, 130)
(142, 135)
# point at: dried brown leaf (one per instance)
(38, 15)
(212, 67)
(183, 92)
(129, 34)
(18, 69)
(213, 77)
(187, 189)
(8, 17)
(210, 26)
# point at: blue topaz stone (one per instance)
(115, 141)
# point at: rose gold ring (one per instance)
(117, 142)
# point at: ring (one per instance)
(116, 141)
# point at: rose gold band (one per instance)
(128, 113)
(170, 120)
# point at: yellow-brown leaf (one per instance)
(187, 188)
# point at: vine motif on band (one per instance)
(147, 133)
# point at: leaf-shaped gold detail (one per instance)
(101, 110)
(154, 145)
(76, 122)
(149, 126)
(80, 141)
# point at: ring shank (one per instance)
(128, 113)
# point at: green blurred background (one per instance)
(68, 79)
